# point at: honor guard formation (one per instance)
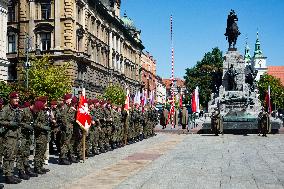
(43, 125)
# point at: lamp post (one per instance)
(27, 64)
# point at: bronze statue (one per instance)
(250, 77)
(232, 30)
(232, 73)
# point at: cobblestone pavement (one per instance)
(177, 161)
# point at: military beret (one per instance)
(53, 102)
(67, 96)
(1, 101)
(39, 105)
(102, 102)
(42, 98)
(27, 104)
(14, 95)
(90, 101)
(95, 101)
(74, 100)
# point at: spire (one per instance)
(247, 53)
(257, 50)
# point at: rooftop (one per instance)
(277, 71)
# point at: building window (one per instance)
(11, 43)
(79, 12)
(45, 39)
(45, 11)
(11, 13)
(78, 42)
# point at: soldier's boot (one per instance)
(1, 186)
(73, 159)
(113, 145)
(102, 149)
(39, 171)
(141, 137)
(30, 173)
(96, 152)
(23, 175)
(45, 170)
(12, 180)
(63, 161)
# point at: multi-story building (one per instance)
(161, 91)
(277, 71)
(3, 37)
(101, 46)
(149, 73)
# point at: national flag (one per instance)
(268, 100)
(193, 102)
(83, 117)
(127, 100)
(180, 100)
(197, 99)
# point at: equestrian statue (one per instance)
(232, 30)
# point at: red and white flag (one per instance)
(126, 105)
(268, 100)
(195, 100)
(83, 115)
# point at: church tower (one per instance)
(259, 60)
(247, 54)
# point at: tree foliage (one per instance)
(206, 74)
(115, 94)
(276, 90)
(47, 79)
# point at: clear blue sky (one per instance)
(199, 26)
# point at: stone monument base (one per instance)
(243, 126)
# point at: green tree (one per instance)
(115, 94)
(206, 74)
(47, 79)
(276, 90)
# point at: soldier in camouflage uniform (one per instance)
(66, 117)
(10, 119)
(116, 127)
(120, 131)
(27, 128)
(103, 130)
(42, 129)
(97, 127)
(90, 139)
(125, 125)
(216, 122)
(132, 122)
(108, 114)
(54, 129)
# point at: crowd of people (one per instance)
(44, 124)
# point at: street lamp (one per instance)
(27, 64)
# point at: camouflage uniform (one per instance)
(108, 114)
(66, 117)
(42, 129)
(102, 130)
(90, 140)
(26, 142)
(10, 119)
(125, 124)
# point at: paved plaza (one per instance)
(176, 161)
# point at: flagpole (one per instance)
(172, 87)
(84, 145)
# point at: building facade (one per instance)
(149, 75)
(277, 71)
(161, 91)
(102, 47)
(3, 40)
(179, 88)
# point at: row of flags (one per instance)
(84, 118)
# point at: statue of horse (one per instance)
(232, 30)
